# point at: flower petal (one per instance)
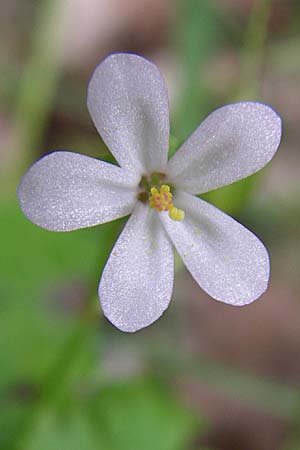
(233, 142)
(137, 281)
(226, 259)
(65, 191)
(128, 102)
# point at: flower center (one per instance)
(162, 200)
(159, 196)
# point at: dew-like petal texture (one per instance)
(231, 143)
(137, 281)
(128, 102)
(65, 191)
(226, 259)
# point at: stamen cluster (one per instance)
(162, 200)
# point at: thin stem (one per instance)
(253, 51)
(37, 86)
(232, 198)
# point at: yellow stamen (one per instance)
(176, 213)
(162, 200)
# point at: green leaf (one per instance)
(66, 432)
(141, 414)
(38, 269)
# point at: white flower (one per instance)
(128, 102)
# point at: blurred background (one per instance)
(206, 376)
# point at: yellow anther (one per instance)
(161, 200)
(176, 213)
(154, 191)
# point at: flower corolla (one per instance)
(64, 191)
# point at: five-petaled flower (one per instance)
(64, 191)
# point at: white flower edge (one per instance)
(137, 281)
(233, 142)
(65, 191)
(128, 103)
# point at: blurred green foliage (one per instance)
(122, 416)
(50, 355)
(53, 394)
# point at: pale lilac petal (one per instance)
(65, 191)
(233, 142)
(226, 259)
(137, 281)
(128, 102)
